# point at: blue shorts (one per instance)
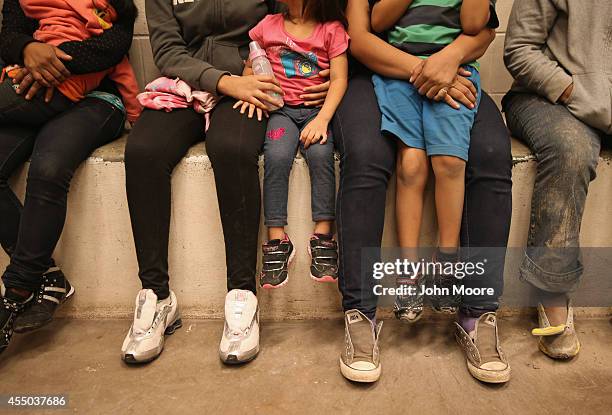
(419, 122)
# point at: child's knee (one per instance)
(412, 168)
(448, 167)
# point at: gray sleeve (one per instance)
(528, 29)
(170, 50)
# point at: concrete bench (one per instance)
(97, 253)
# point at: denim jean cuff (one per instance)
(275, 223)
(478, 310)
(549, 281)
(320, 218)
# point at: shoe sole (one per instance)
(486, 376)
(282, 284)
(170, 330)
(361, 376)
(28, 329)
(489, 376)
(232, 360)
(558, 356)
(326, 278)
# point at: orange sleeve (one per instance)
(123, 75)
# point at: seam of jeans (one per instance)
(18, 146)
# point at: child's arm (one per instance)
(317, 128)
(386, 13)
(474, 16)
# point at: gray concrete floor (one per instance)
(297, 372)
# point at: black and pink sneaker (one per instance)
(277, 255)
(324, 258)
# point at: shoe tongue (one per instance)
(362, 335)
(146, 304)
(487, 340)
(240, 306)
(324, 236)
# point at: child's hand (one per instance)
(252, 109)
(315, 130)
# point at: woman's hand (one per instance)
(253, 89)
(315, 130)
(29, 86)
(441, 79)
(252, 110)
(314, 96)
(45, 63)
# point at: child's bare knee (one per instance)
(448, 167)
(412, 168)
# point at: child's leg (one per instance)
(280, 147)
(447, 138)
(412, 173)
(450, 189)
(15, 108)
(320, 160)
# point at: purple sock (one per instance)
(467, 322)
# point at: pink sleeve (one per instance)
(337, 40)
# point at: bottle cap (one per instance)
(255, 51)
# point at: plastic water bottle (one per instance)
(261, 66)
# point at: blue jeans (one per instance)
(280, 146)
(567, 151)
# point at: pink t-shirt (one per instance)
(297, 62)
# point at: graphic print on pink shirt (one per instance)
(297, 62)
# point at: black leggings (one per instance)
(367, 162)
(30, 233)
(157, 143)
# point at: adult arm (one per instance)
(528, 29)
(389, 61)
(103, 52)
(16, 34)
(386, 13)
(372, 51)
(474, 16)
(170, 49)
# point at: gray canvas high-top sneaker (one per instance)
(360, 359)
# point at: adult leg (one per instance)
(61, 145)
(567, 152)
(487, 206)
(367, 161)
(16, 144)
(486, 223)
(233, 143)
(157, 143)
(15, 109)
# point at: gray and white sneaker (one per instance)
(360, 359)
(240, 340)
(153, 319)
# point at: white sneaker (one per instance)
(240, 340)
(152, 320)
